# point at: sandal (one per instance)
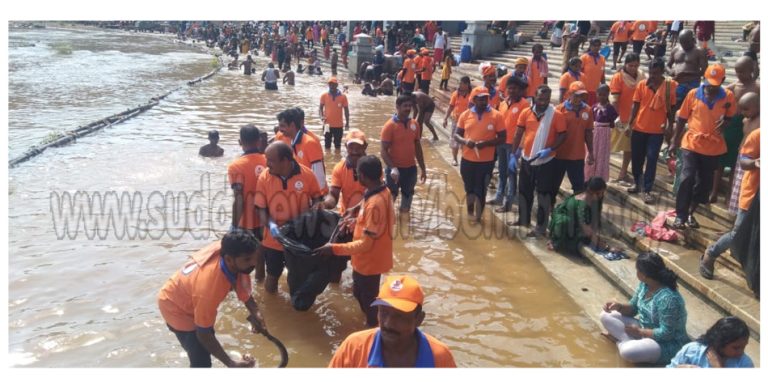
(647, 198)
(707, 272)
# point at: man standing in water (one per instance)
(248, 64)
(331, 105)
(270, 76)
(283, 192)
(212, 149)
(189, 300)
(425, 107)
(306, 148)
(243, 173)
(397, 342)
(400, 144)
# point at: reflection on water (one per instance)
(89, 299)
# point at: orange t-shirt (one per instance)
(402, 138)
(701, 137)
(376, 219)
(652, 112)
(356, 349)
(245, 171)
(410, 70)
(750, 184)
(641, 30)
(310, 35)
(592, 72)
(576, 124)
(333, 108)
(511, 113)
(426, 65)
(625, 93)
(307, 152)
(459, 103)
(530, 123)
(343, 177)
(485, 128)
(536, 77)
(620, 31)
(190, 299)
(285, 200)
(565, 82)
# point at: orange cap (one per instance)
(715, 74)
(577, 87)
(489, 70)
(333, 80)
(521, 61)
(400, 292)
(424, 51)
(355, 136)
(410, 52)
(480, 91)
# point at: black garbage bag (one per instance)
(745, 246)
(308, 275)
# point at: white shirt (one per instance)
(271, 75)
(439, 41)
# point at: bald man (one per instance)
(686, 65)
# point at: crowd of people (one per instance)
(513, 128)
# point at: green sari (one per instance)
(565, 230)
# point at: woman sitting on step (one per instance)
(658, 333)
(721, 346)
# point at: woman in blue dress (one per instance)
(721, 346)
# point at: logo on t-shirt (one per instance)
(299, 185)
(396, 286)
(585, 116)
(641, 27)
(490, 127)
(413, 126)
(188, 269)
(259, 169)
(339, 105)
(515, 110)
(300, 154)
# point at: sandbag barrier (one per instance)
(72, 135)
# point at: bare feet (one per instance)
(609, 336)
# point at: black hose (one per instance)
(280, 346)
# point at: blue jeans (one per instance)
(724, 242)
(406, 185)
(197, 353)
(507, 182)
(645, 147)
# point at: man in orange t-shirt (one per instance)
(620, 36)
(285, 191)
(400, 150)
(707, 110)
(243, 174)
(593, 69)
(750, 186)
(652, 108)
(539, 143)
(579, 123)
(480, 129)
(408, 83)
(426, 67)
(510, 108)
(306, 148)
(371, 245)
(397, 342)
(538, 70)
(190, 299)
(573, 74)
(346, 188)
(640, 30)
(331, 105)
(459, 102)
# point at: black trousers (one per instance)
(695, 180)
(334, 133)
(197, 353)
(365, 289)
(476, 177)
(540, 179)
